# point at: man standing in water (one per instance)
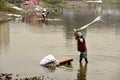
(81, 45)
(44, 14)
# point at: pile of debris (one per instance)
(5, 76)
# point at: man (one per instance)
(81, 46)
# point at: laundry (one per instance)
(50, 60)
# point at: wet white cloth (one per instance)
(47, 59)
(81, 39)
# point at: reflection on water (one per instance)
(49, 69)
(4, 38)
(28, 41)
(111, 14)
(82, 72)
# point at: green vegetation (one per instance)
(111, 0)
(2, 3)
(4, 6)
(8, 9)
(53, 3)
(114, 0)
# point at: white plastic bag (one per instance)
(47, 59)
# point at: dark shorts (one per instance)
(83, 54)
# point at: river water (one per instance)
(24, 44)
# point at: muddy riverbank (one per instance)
(3, 16)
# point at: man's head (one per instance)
(79, 34)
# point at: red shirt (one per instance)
(81, 45)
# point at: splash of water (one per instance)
(87, 25)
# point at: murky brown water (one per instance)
(23, 45)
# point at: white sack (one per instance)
(47, 59)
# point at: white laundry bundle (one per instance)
(47, 59)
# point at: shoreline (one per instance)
(3, 16)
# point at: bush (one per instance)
(2, 3)
(53, 3)
(8, 9)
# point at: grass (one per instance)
(9, 10)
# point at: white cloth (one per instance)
(44, 9)
(81, 39)
(47, 59)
